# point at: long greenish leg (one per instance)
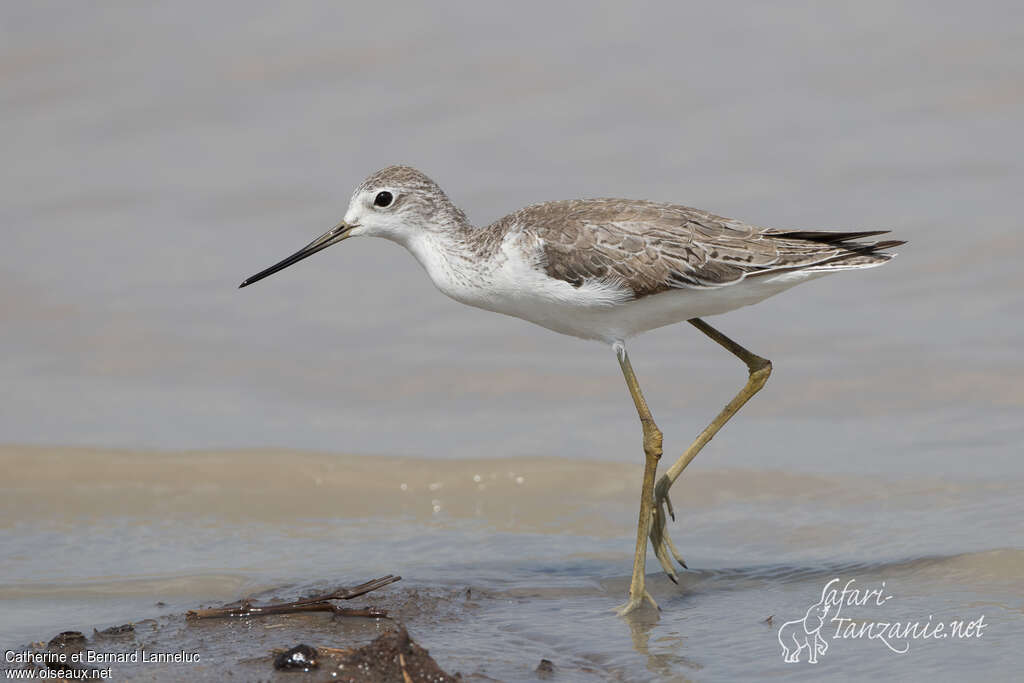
(759, 369)
(652, 453)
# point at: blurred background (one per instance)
(157, 154)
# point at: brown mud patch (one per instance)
(304, 645)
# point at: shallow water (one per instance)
(97, 538)
(159, 155)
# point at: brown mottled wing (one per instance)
(651, 247)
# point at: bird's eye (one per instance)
(383, 199)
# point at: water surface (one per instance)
(156, 156)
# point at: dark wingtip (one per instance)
(827, 236)
(847, 239)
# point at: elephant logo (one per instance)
(800, 634)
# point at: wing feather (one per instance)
(649, 247)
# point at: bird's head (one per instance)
(396, 203)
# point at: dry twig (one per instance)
(318, 603)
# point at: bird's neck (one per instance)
(451, 255)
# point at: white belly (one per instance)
(608, 314)
(610, 323)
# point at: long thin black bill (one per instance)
(332, 236)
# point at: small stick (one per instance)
(406, 678)
(317, 603)
(333, 651)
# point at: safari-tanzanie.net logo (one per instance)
(809, 637)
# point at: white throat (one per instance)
(449, 266)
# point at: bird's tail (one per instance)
(852, 252)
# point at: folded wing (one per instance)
(651, 247)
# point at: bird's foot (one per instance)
(660, 540)
(636, 602)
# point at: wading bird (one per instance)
(606, 270)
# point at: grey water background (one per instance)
(157, 155)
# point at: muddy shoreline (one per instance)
(324, 647)
(506, 562)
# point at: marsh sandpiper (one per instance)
(605, 270)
